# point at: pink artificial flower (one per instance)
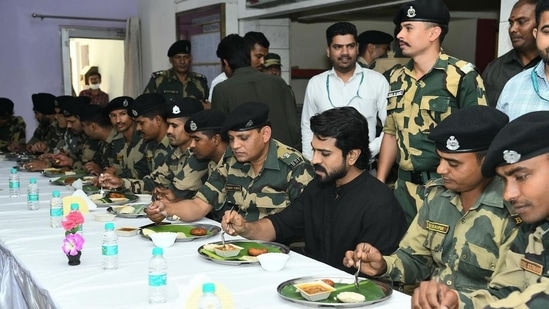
(72, 220)
(72, 244)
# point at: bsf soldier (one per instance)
(12, 128)
(464, 223)
(45, 137)
(262, 177)
(422, 93)
(179, 81)
(520, 155)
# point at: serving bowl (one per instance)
(104, 217)
(163, 239)
(126, 231)
(315, 290)
(227, 250)
(273, 261)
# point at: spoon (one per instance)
(101, 191)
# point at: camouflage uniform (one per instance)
(47, 134)
(13, 132)
(73, 144)
(129, 160)
(521, 280)
(414, 108)
(461, 248)
(282, 179)
(156, 154)
(106, 155)
(182, 173)
(167, 83)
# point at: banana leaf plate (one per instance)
(207, 251)
(183, 230)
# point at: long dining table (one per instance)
(34, 272)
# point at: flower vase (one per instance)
(74, 259)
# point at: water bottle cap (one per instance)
(55, 194)
(74, 206)
(13, 170)
(158, 251)
(109, 226)
(208, 287)
(32, 180)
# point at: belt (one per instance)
(417, 177)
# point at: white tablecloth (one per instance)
(34, 271)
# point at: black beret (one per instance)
(247, 116)
(272, 59)
(117, 103)
(6, 107)
(146, 102)
(374, 37)
(469, 129)
(180, 47)
(89, 112)
(184, 107)
(44, 103)
(72, 105)
(209, 119)
(423, 10)
(521, 139)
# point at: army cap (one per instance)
(88, 112)
(423, 10)
(6, 107)
(44, 103)
(146, 102)
(469, 129)
(206, 120)
(180, 47)
(374, 37)
(72, 105)
(117, 103)
(247, 116)
(184, 107)
(272, 59)
(521, 139)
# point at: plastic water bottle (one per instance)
(209, 299)
(32, 194)
(109, 248)
(14, 183)
(56, 209)
(76, 208)
(158, 292)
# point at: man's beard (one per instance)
(334, 175)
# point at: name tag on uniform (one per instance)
(230, 187)
(531, 267)
(437, 227)
(395, 93)
(171, 92)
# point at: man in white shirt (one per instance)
(346, 84)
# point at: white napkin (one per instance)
(77, 184)
(80, 193)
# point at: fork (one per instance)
(101, 191)
(358, 270)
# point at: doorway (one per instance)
(85, 48)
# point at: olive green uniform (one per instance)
(460, 247)
(521, 279)
(284, 175)
(47, 134)
(182, 173)
(13, 132)
(156, 154)
(167, 84)
(107, 147)
(130, 160)
(414, 108)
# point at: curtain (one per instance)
(133, 66)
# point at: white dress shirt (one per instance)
(366, 91)
(218, 79)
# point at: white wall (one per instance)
(504, 42)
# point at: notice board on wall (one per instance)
(204, 27)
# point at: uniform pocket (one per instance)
(477, 262)
(432, 110)
(434, 242)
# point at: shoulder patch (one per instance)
(200, 76)
(159, 73)
(432, 185)
(463, 66)
(289, 156)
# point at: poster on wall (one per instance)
(204, 27)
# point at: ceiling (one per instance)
(377, 9)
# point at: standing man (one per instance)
(12, 128)
(343, 206)
(372, 44)
(247, 84)
(528, 91)
(523, 56)
(272, 64)
(179, 81)
(463, 224)
(96, 95)
(520, 155)
(423, 92)
(262, 177)
(346, 84)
